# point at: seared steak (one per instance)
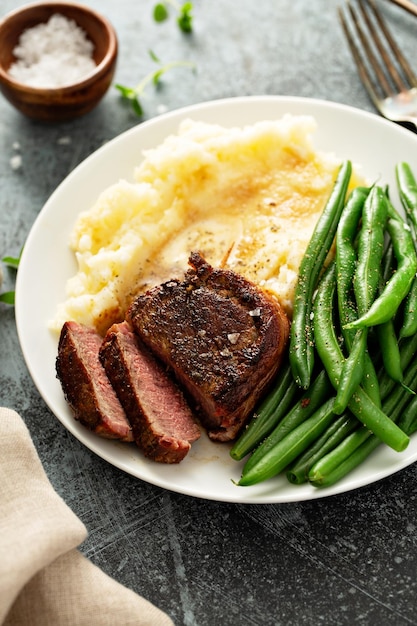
(220, 334)
(85, 384)
(162, 422)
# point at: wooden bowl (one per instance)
(60, 103)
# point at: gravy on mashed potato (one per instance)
(246, 198)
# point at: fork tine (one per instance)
(408, 72)
(389, 66)
(384, 85)
(380, 77)
(363, 71)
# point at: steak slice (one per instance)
(162, 422)
(222, 336)
(86, 387)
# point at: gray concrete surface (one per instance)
(344, 560)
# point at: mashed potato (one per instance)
(247, 198)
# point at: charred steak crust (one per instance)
(221, 335)
(85, 385)
(162, 422)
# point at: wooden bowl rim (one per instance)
(101, 68)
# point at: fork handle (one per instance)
(407, 5)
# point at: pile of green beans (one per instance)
(350, 379)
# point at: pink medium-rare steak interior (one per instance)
(162, 422)
(85, 385)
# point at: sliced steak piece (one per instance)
(86, 387)
(162, 422)
(222, 336)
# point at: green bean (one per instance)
(386, 305)
(390, 350)
(335, 433)
(386, 333)
(413, 428)
(289, 448)
(410, 427)
(409, 325)
(320, 390)
(330, 462)
(370, 383)
(408, 419)
(332, 358)
(347, 465)
(268, 415)
(301, 349)
(344, 458)
(346, 258)
(408, 349)
(392, 211)
(387, 267)
(407, 187)
(352, 373)
(399, 397)
(362, 268)
(358, 366)
(370, 249)
(324, 332)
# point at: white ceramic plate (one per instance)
(47, 263)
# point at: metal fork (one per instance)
(385, 73)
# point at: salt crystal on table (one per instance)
(53, 54)
(16, 162)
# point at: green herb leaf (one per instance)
(157, 75)
(127, 92)
(160, 12)
(185, 19)
(137, 107)
(184, 16)
(7, 297)
(11, 261)
(153, 56)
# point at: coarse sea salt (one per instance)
(53, 54)
(16, 161)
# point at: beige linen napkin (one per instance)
(44, 579)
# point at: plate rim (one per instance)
(91, 441)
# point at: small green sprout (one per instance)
(11, 261)
(184, 16)
(8, 297)
(134, 94)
